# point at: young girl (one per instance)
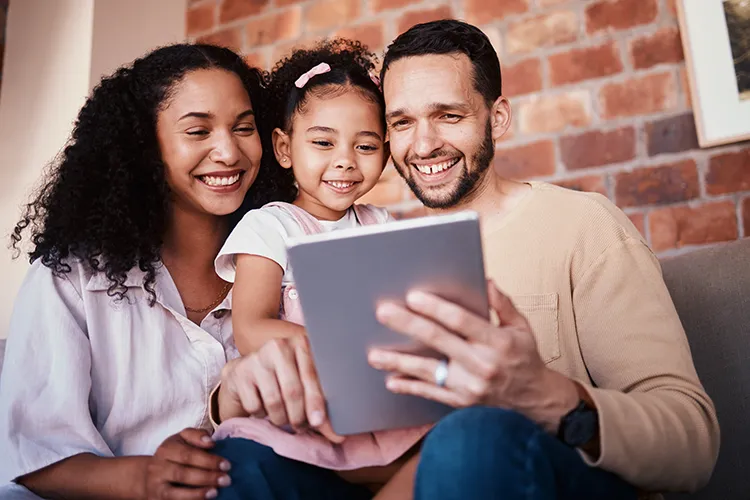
(329, 139)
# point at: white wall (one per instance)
(55, 52)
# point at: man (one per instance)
(585, 386)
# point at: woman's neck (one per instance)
(193, 240)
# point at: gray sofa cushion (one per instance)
(711, 290)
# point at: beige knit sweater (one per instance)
(593, 292)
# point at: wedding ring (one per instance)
(441, 373)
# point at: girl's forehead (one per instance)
(349, 109)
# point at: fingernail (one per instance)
(416, 298)
(316, 418)
(390, 384)
(375, 357)
(207, 439)
(225, 466)
(225, 481)
(384, 311)
(212, 493)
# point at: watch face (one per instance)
(580, 428)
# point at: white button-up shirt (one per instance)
(86, 373)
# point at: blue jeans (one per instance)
(483, 453)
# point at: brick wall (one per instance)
(598, 88)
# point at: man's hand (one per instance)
(488, 365)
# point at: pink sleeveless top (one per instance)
(355, 452)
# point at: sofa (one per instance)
(711, 291)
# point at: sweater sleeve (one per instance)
(658, 427)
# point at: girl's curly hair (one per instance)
(105, 200)
(352, 66)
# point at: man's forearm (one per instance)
(88, 476)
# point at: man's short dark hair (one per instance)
(449, 36)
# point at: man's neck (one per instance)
(193, 240)
(494, 197)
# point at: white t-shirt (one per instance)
(266, 231)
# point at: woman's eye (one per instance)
(245, 130)
(197, 132)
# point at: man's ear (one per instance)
(282, 147)
(500, 117)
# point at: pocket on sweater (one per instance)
(541, 312)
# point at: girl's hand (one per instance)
(182, 469)
(278, 381)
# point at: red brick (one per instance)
(595, 149)
(542, 31)
(200, 18)
(282, 50)
(523, 162)
(746, 216)
(231, 38)
(281, 26)
(232, 10)
(523, 77)
(552, 113)
(370, 34)
(257, 59)
(672, 7)
(676, 227)
(482, 11)
(587, 183)
(381, 5)
(639, 221)
(664, 46)
(673, 134)
(657, 185)
(325, 14)
(550, 3)
(729, 173)
(639, 96)
(413, 17)
(585, 64)
(620, 14)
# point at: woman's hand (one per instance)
(278, 381)
(182, 469)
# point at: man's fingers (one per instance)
(409, 365)
(327, 431)
(270, 394)
(507, 313)
(401, 385)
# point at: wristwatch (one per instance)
(579, 426)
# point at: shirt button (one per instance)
(293, 294)
(220, 313)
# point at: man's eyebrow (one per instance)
(450, 106)
(395, 113)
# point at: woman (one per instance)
(122, 327)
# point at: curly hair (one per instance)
(352, 66)
(105, 200)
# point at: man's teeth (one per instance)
(436, 168)
(340, 185)
(220, 181)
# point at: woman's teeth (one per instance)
(220, 181)
(436, 168)
(340, 185)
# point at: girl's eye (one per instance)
(367, 147)
(325, 144)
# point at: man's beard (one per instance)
(467, 183)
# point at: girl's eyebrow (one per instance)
(369, 133)
(327, 130)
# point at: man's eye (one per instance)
(451, 117)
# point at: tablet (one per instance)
(340, 277)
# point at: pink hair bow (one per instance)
(316, 70)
